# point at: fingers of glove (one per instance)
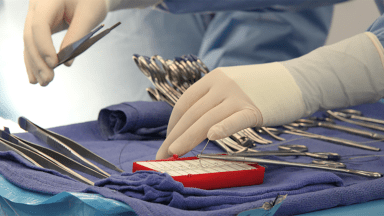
(43, 74)
(69, 63)
(86, 16)
(185, 120)
(31, 77)
(34, 63)
(199, 130)
(46, 16)
(189, 98)
(182, 140)
(62, 26)
(236, 122)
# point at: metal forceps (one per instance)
(324, 165)
(331, 125)
(76, 48)
(47, 158)
(292, 150)
(67, 147)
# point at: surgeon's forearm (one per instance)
(197, 6)
(113, 5)
(344, 74)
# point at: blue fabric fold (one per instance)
(139, 120)
(151, 193)
(161, 188)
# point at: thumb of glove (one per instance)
(87, 15)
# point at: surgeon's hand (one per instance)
(46, 17)
(228, 100)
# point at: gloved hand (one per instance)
(230, 99)
(46, 17)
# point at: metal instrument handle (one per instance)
(368, 125)
(284, 163)
(351, 130)
(348, 143)
(315, 155)
(378, 121)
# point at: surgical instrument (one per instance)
(356, 114)
(243, 141)
(285, 163)
(363, 124)
(4, 146)
(155, 95)
(318, 155)
(329, 163)
(291, 150)
(51, 155)
(45, 161)
(292, 130)
(76, 48)
(312, 123)
(266, 130)
(67, 147)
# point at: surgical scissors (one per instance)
(331, 125)
(155, 95)
(332, 166)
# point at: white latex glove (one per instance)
(46, 17)
(230, 99)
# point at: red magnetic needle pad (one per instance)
(214, 180)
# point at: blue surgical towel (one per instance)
(139, 120)
(150, 193)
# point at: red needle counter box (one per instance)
(206, 173)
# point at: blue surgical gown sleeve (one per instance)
(252, 37)
(377, 27)
(197, 6)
